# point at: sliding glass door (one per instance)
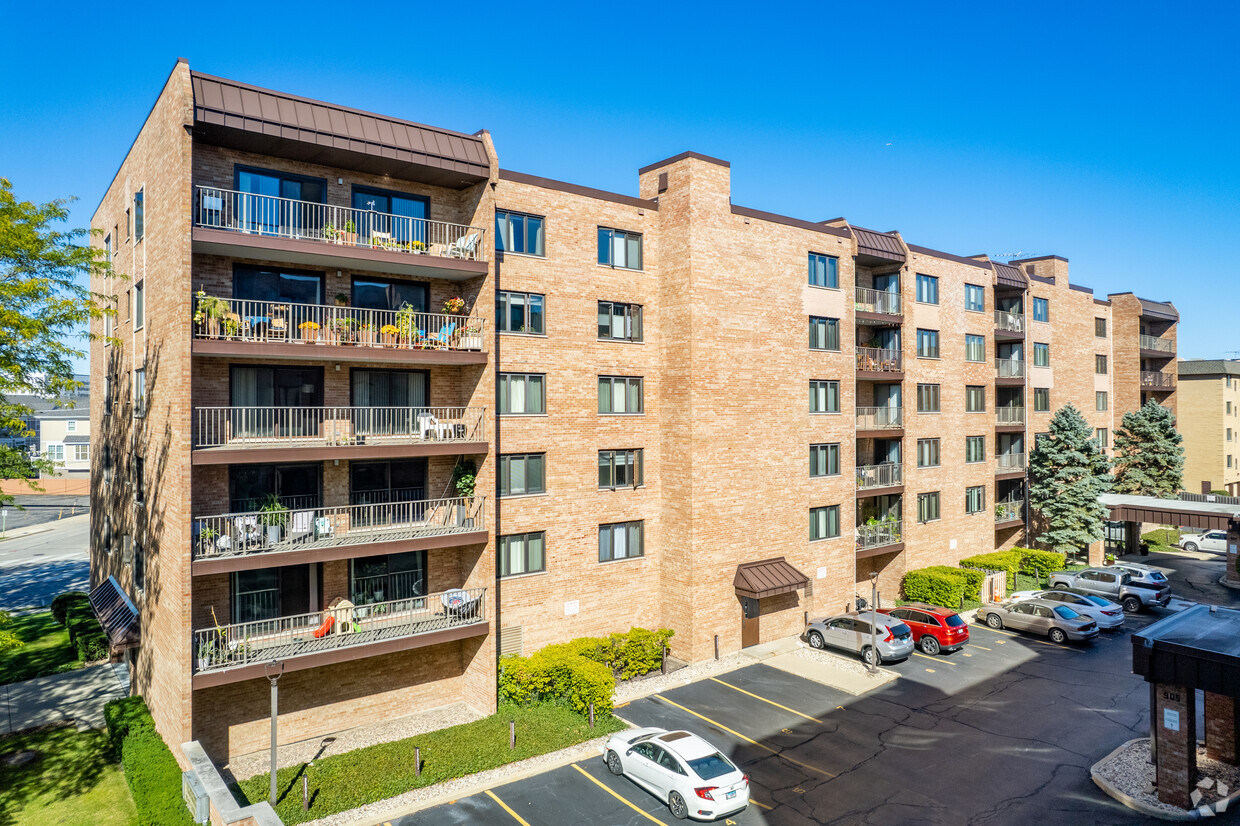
(394, 216)
(276, 402)
(271, 203)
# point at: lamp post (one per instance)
(274, 670)
(873, 666)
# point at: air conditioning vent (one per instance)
(512, 641)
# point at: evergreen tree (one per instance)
(1149, 453)
(1067, 474)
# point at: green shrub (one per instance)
(1040, 564)
(63, 602)
(937, 585)
(1167, 537)
(1007, 561)
(638, 651)
(85, 633)
(151, 771)
(557, 675)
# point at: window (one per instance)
(824, 397)
(927, 344)
(619, 322)
(139, 566)
(139, 305)
(517, 232)
(974, 449)
(1041, 399)
(522, 473)
(974, 348)
(303, 287)
(619, 394)
(824, 523)
(824, 333)
(824, 460)
(139, 215)
(522, 394)
(927, 289)
(620, 540)
(81, 453)
(1100, 400)
(387, 577)
(928, 453)
(1041, 310)
(71, 426)
(1100, 327)
(139, 392)
(824, 270)
(55, 452)
(412, 209)
(927, 398)
(621, 469)
(519, 313)
(139, 479)
(927, 507)
(619, 249)
(1100, 364)
(975, 399)
(1041, 355)
(108, 248)
(107, 465)
(128, 224)
(386, 388)
(974, 499)
(522, 553)
(1101, 435)
(974, 298)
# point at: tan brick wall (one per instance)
(1205, 422)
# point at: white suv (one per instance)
(1208, 541)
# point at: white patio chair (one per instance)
(427, 424)
(301, 525)
(445, 430)
(464, 246)
(323, 527)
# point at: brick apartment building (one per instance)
(682, 412)
(1209, 418)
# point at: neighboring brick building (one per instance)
(1209, 418)
(683, 412)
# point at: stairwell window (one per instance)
(139, 305)
(824, 396)
(1100, 364)
(620, 395)
(139, 215)
(824, 271)
(824, 333)
(139, 392)
(1041, 399)
(621, 469)
(1100, 400)
(824, 460)
(975, 499)
(522, 553)
(1103, 438)
(619, 249)
(824, 523)
(520, 312)
(1041, 355)
(974, 298)
(927, 344)
(518, 232)
(927, 289)
(522, 394)
(522, 474)
(621, 540)
(974, 348)
(974, 449)
(1100, 327)
(928, 507)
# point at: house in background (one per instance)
(64, 437)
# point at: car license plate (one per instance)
(730, 795)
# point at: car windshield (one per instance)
(1066, 612)
(900, 630)
(711, 766)
(1157, 576)
(954, 621)
(1099, 601)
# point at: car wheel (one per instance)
(1058, 636)
(815, 640)
(1059, 586)
(1190, 546)
(1131, 605)
(867, 655)
(929, 645)
(676, 805)
(613, 763)
(993, 621)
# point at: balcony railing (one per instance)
(1162, 345)
(305, 220)
(1010, 415)
(1009, 321)
(235, 319)
(335, 426)
(1155, 379)
(237, 534)
(876, 536)
(1010, 461)
(230, 646)
(877, 301)
(1009, 511)
(1010, 368)
(884, 475)
(873, 360)
(879, 418)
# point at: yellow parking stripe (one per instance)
(772, 702)
(763, 805)
(504, 806)
(936, 659)
(999, 631)
(984, 648)
(604, 787)
(795, 762)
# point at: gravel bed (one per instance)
(644, 686)
(1131, 771)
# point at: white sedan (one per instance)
(1107, 614)
(681, 769)
(1208, 541)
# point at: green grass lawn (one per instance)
(74, 782)
(46, 651)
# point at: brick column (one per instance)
(1233, 541)
(1096, 553)
(1222, 719)
(1175, 746)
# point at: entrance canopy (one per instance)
(767, 578)
(116, 613)
(1197, 648)
(1210, 516)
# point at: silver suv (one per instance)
(860, 632)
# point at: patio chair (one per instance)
(444, 337)
(445, 430)
(464, 247)
(247, 530)
(323, 527)
(427, 424)
(381, 239)
(301, 525)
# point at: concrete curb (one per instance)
(1196, 813)
(1227, 583)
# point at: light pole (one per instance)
(274, 670)
(873, 666)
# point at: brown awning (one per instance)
(116, 613)
(1008, 276)
(879, 246)
(767, 578)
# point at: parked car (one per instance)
(681, 769)
(860, 632)
(1116, 584)
(1042, 617)
(1101, 610)
(934, 628)
(1208, 541)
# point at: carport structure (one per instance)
(1210, 516)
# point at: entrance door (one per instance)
(749, 622)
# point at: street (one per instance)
(38, 566)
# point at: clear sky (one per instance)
(1103, 132)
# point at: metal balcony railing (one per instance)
(1162, 345)
(1009, 321)
(335, 426)
(882, 475)
(230, 646)
(1009, 511)
(1009, 461)
(1010, 368)
(873, 360)
(253, 214)
(878, 418)
(298, 529)
(876, 536)
(1154, 379)
(235, 319)
(1010, 415)
(877, 301)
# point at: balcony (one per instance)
(273, 329)
(879, 418)
(1007, 512)
(877, 302)
(1013, 463)
(1005, 416)
(246, 225)
(1009, 324)
(873, 362)
(230, 653)
(885, 475)
(223, 435)
(247, 540)
(1158, 381)
(1010, 369)
(883, 537)
(1155, 347)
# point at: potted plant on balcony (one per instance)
(208, 311)
(343, 328)
(207, 648)
(471, 334)
(330, 233)
(453, 306)
(387, 335)
(309, 330)
(407, 325)
(207, 538)
(366, 335)
(349, 234)
(342, 299)
(418, 247)
(274, 516)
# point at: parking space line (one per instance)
(623, 800)
(936, 659)
(504, 806)
(763, 805)
(984, 648)
(750, 740)
(763, 699)
(998, 631)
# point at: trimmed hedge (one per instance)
(937, 585)
(1007, 561)
(151, 771)
(556, 675)
(85, 632)
(1035, 563)
(1041, 564)
(63, 602)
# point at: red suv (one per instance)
(935, 629)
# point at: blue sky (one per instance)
(1102, 132)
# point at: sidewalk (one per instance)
(78, 696)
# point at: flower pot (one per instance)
(273, 534)
(308, 334)
(202, 663)
(388, 339)
(347, 238)
(366, 338)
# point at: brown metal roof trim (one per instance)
(1008, 276)
(879, 244)
(696, 155)
(575, 189)
(947, 256)
(1042, 279)
(1170, 516)
(1159, 309)
(116, 614)
(1102, 301)
(747, 212)
(767, 578)
(1038, 258)
(1089, 290)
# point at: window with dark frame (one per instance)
(620, 395)
(1100, 400)
(139, 392)
(522, 553)
(975, 398)
(139, 305)
(928, 398)
(1100, 364)
(824, 522)
(619, 249)
(618, 321)
(517, 312)
(928, 507)
(974, 449)
(1041, 310)
(139, 215)
(824, 333)
(974, 348)
(621, 540)
(975, 499)
(139, 479)
(824, 396)
(928, 453)
(1101, 435)
(974, 298)
(824, 270)
(522, 474)
(1041, 399)
(1100, 327)
(927, 344)
(824, 460)
(621, 469)
(927, 289)
(1041, 355)
(522, 394)
(519, 232)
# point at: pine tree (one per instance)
(1149, 453)
(1067, 473)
